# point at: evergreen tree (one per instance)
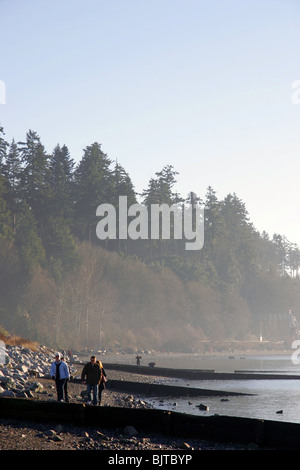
(281, 245)
(12, 173)
(192, 202)
(92, 187)
(160, 191)
(240, 231)
(267, 256)
(35, 177)
(5, 216)
(60, 248)
(121, 186)
(151, 194)
(3, 146)
(294, 259)
(166, 179)
(61, 168)
(28, 242)
(213, 223)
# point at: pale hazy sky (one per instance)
(204, 85)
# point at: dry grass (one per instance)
(15, 340)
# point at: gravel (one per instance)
(30, 435)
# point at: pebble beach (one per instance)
(31, 435)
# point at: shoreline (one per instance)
(130, 358)
(32, 435)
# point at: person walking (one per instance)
(138, 360)
(59, 372)
(102, 382)
(91, 375)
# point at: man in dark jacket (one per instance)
(91, 375)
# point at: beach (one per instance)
(31, 435)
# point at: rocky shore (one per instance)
(26, 375)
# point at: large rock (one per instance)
(21, 364)
(22, 368)
(8, 393)
(36, 386)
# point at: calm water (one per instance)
(269, 396)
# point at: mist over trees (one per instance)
(62, 285)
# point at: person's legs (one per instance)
(66, 390)
(60, 389)
(92, 388)
(95, 394)
(89, 388)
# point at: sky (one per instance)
(203, 85)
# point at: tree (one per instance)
(213, 224)
(121, 185)
(28, 242)
(294, 259)
(166, 179)
(241, 234)
(35, 176)
(3, 146)
(60, 248)
(5, 216)
(12, 174)
(92, 186)
(160, 191)
(281, 245)
(11, 280)
(61, 167)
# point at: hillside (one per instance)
(62, 285)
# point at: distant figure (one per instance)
(138, 360)
(102, 381)
(59, 372)
(92, 373)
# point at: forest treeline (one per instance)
(61, 285)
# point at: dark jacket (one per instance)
(92, 373)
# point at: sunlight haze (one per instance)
(205, 86)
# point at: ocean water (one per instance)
(268, 397)
(277, 400)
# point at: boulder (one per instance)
(21, 365)
(8, 393)
(22, 368)
(203, 407)
(36, 387)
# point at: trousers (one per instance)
(60, 388)
(92, 388)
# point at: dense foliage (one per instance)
(60, 284)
